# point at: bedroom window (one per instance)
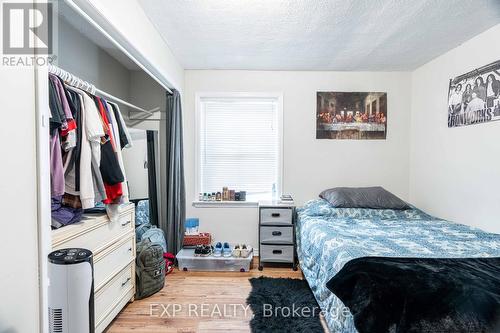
(239, 144)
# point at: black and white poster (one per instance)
(474, 97)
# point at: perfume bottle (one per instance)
(218, 196)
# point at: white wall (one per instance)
(454, 171)
(310, 165)
(19, 247)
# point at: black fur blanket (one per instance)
(421, 295)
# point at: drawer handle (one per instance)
(126, 281)
(129, 249)
(275, 214)
(277, 251)
(125, 223)
(276, 233)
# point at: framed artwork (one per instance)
(474, 97)
(351, 115)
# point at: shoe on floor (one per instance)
(226, 250)
(206, 250)
(218, 249)
(246, 250)
(237, 251)
(197, 251)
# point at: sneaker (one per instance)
(237, 251)
(218, 249)
(226, 250)
(206, 250)
(246, 250)
(198, 250)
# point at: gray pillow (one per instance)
(363, 197)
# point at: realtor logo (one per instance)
(27, 28)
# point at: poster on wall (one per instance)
(474, 97)
(351, 115)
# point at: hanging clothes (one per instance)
(124, 134)
(56, 166)
(68, 128)
(76, 105)
(110, 168)
(61, 215)
(57, 117)
(87, 137)
(116, 126)
(55, 109)
(92, 132)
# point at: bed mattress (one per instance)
(328, 237)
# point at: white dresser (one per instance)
(113, 246)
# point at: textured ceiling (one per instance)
(374, 35)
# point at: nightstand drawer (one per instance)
(276, 253)
(276, 216)
(276, 235)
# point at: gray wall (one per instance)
(83, 58)
(80, 56)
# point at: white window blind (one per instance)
(239, 145)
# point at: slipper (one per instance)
(246, 250)
(237, 251)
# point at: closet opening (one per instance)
(107, 124)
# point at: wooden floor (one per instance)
(205, 302)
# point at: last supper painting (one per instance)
(351, 115)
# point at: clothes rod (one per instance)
(121, 101)
(75, 81)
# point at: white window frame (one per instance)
(198, 98)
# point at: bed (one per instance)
(328, 238)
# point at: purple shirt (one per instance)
(56, 166)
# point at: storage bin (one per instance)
(203, 238)
(277, 253)
(276, 235)
(276, 216)
(188, 262)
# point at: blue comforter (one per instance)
(328, 237)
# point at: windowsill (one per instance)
(225, 204)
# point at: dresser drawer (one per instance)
(108, 318)
(95, 234)
(276, 235)
(110, 261)
(276, 216)
(112, 292)
(276, 253)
